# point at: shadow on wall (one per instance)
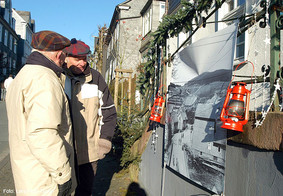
(278, 157)
(134, 189)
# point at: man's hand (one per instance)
(104, 147)
(64, 189)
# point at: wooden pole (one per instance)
(116, 89)
(130, 92)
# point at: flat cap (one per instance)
(49, 41)
(77, 48)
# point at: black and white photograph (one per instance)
(195, 144)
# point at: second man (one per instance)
(93, 113)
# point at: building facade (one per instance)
(124, 37)
(8, 40)
(152, 14)
(24, 27)
(16, 29)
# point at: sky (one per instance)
(78, 19)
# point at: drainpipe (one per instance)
(274, 51)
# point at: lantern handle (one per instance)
(158, 92)
(247, 106)
(237, 68)
(225, 104)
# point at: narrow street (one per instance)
(4, 146)
(7, 182)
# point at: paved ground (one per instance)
(110, 180)
(6, 182)
(4, 146)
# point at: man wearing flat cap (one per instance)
(40, 128)
(93, 112)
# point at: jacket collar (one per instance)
(84, 77)
(87, 73)
(36, 58)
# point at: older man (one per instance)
(40, 136)
(93, 112)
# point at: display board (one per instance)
(194, 141)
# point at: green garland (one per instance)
(146, 72)
(171, 26)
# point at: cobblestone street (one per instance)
(7, 183)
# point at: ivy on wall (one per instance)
(146, 72)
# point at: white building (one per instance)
(8, 41)
(24, 27)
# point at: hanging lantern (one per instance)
(157, 109)
(235, 111)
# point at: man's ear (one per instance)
(58, 54)
(66, 60)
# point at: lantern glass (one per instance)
(236, 108)
(157, 110)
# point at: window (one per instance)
(13, 23)
(230, 4)
(5, 59)
(173, 4)
(240, 2)
(240, 46)
(238, 10)
(28, 36)
(117, 31)
(6, 15)
(11, 42)
(10, 64)
(162, 10)
(235, 3)
(15, 46)
(6, 38)
(14, 64)
(1, 27)
(147, 20)
(2, 3)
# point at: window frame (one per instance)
(234, 13)
(6, 34)
(147, 21)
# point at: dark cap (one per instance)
(77, 48)
(49, 41)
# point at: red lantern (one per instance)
(157, 109)
(235, 111)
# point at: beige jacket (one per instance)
(40, 132)
(93, 112)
